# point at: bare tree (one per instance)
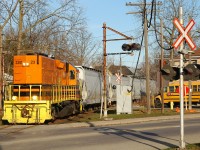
(83, 46)
(52, 27)
(46, 18)
(6, 12)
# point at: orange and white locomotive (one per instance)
(43, 88)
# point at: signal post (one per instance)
(104, 62)
(182, 142)
(189, 72)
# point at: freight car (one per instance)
(91, 83)
(43, 88)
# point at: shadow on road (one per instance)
(131, 134)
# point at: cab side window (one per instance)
(72, 74)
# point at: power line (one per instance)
(170, 48)
(152, 4)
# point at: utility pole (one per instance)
(104, 71)
(146, 51)
(190, 85)
(147, 64)
(21, 14)
(161, 64)
(189, 82)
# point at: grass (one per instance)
(90, 116)
(95, 115)
(188, 147)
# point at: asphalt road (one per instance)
(150, 135)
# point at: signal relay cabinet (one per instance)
(124, 101)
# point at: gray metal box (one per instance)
(124, 102)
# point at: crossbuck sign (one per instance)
(184, 34)
(118, 75)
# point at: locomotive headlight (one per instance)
(35, 98)
(14, 98)
(25, 64)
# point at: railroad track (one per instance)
(13, 129)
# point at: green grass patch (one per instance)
(141, 113)
(188, 147)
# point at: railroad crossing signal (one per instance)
(118, 75)
(170, 73)
(132, 46)
(190, 72)
(184, 34)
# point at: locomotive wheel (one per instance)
(157, 103)
(5, 122)
(77, 107)
(53, 113)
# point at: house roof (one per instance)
(194, 54)
(115, 69)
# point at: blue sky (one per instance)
(110, 11)
(113, 12)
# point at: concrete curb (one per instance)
(126, 121)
